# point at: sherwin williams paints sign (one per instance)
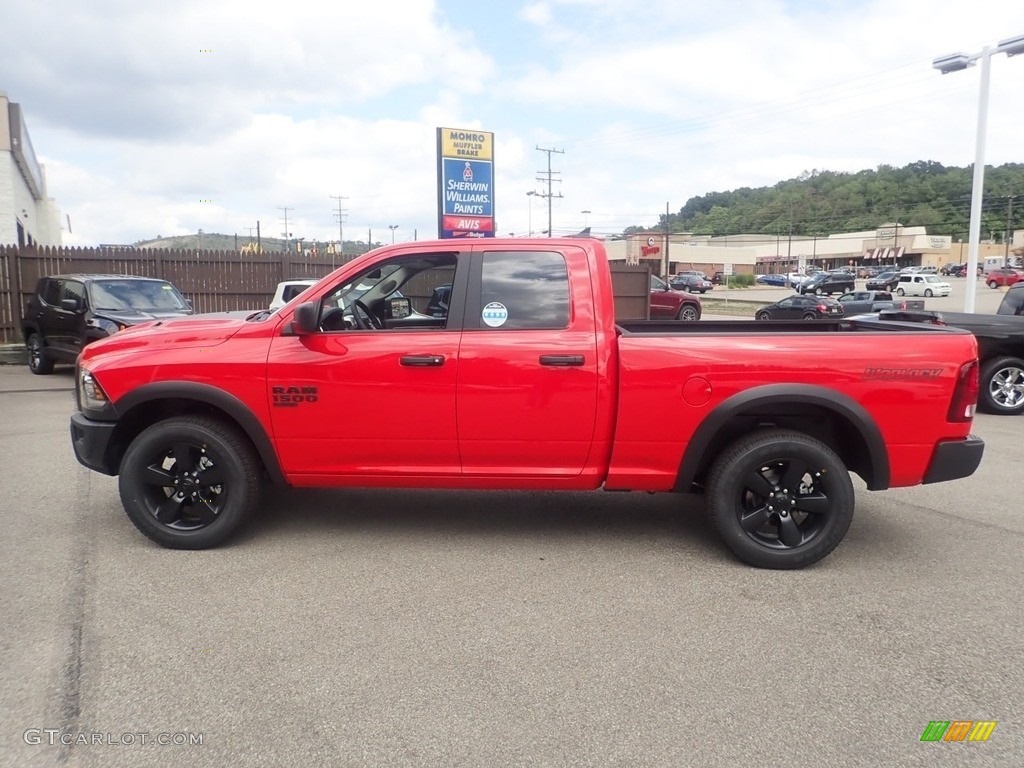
(465, 180)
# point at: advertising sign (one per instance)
(465, 183)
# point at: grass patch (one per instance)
(744, 308)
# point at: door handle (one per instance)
(422, 361)
(561, 360)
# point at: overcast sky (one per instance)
(143, 112)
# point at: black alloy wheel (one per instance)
(189, 483)
(38, 362)
(780, 499)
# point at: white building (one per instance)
(27, 215)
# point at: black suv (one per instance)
(68, 311)
(827, 282)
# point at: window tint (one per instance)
(71, 289)
(51, 292)
(1013, 303)
(521, 290)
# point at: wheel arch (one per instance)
(835, 419)
(155, 402)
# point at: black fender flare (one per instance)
(757, 398)
(217, 398)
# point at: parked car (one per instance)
(780, 280)
(828, 283)
(859, 302)
(667, 304)
(951, 268)
(288, 290)
(885, 281)
(1002, 276)
(695, 272)
(719, 278)
(67, 312)
(800, 308)
(690, 283)
(916, 284)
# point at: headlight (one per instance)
(90, 394)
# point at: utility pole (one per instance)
(340, 214)
(1009, 228)
(259, 245)
(549, 173)
(668, 237)
(287, 234)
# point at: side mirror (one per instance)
(305, 317)
(398, 307)
(71, 305)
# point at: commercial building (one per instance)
(27, 215)
(888, 245)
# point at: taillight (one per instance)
(965, 394)
(822, 308)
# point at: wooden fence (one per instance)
(214, 281)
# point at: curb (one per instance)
(13, 354)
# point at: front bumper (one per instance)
(954, 459)
(91, 441)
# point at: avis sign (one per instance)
(465, 183)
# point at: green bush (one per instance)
(741, 281)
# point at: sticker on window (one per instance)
(494, 314)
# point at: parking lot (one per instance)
(986, 299)
(409, 628)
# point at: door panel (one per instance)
(527, 395)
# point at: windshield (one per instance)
(135, 294)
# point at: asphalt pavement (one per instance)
(416, 628)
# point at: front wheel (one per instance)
(993, 284)
(763, 316)
(38, 362)
(1002, 386)
(780, 499)
(688, 313)
(189, 482)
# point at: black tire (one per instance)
(1002, 386)
(38, 362)
(928, 293)
(687, 313)
(763, 316)
(900, 292)
(198, 474)
(993, 284)
(817, 292)
(810, 316)
(769, 468)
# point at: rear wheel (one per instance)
(38, 362)
(189, 483)
(928, 293)
(780, 499)
(1002, 386)
(900, 292)
(810, 316)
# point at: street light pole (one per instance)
(954, 63)
(392, 227)
(530, 196)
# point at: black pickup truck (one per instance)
(66, 312)
(1000, 348)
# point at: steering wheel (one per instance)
(365, 319)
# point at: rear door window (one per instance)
(521, 290)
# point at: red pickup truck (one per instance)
(524, 381)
